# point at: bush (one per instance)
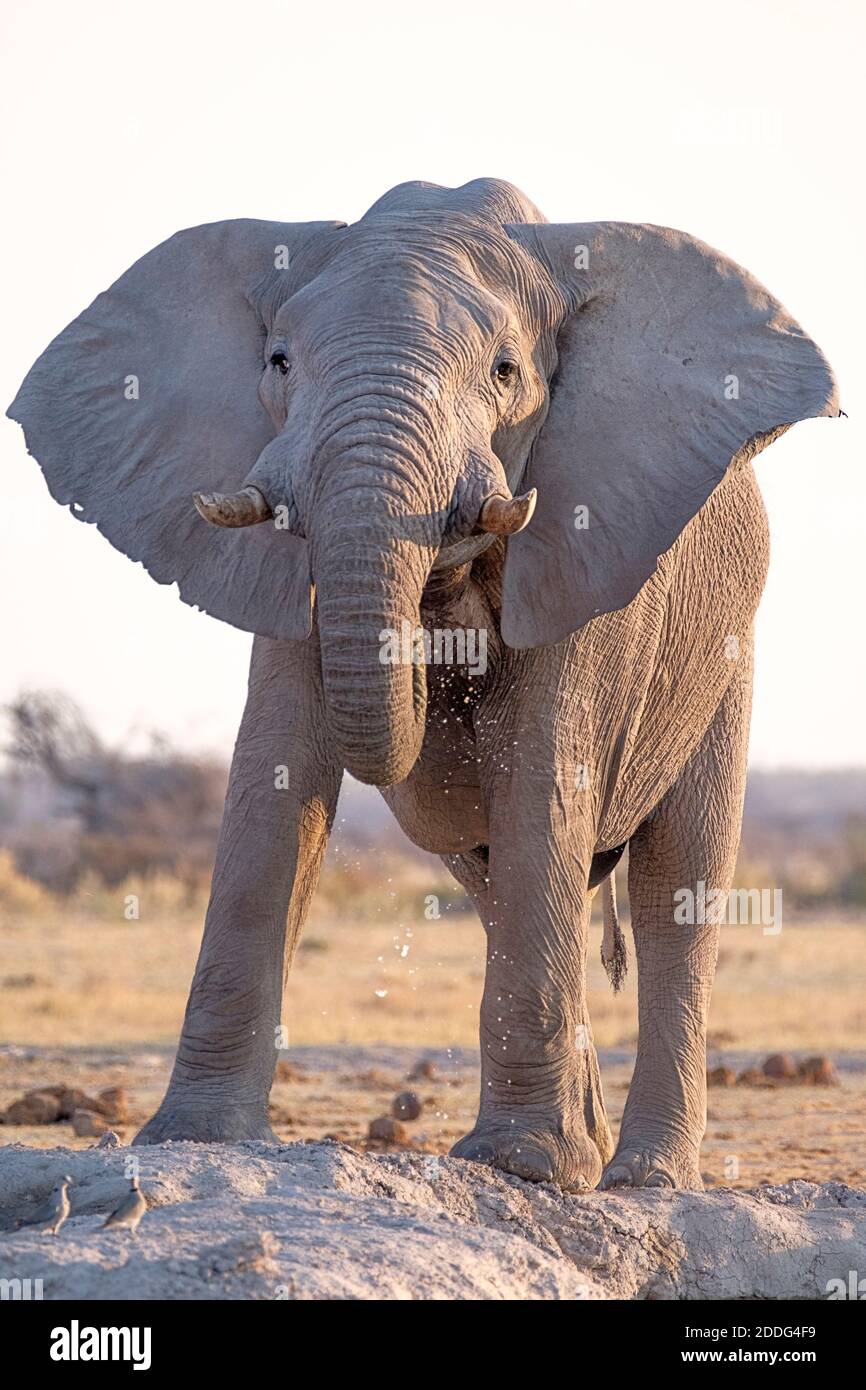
(17, 892)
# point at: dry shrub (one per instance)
(137, 897)
(73, 808)
(18, 893)
(367, 886)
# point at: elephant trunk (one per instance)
(370, 565)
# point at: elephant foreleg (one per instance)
(279, 807)
(690, 839)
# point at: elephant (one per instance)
(453, 416)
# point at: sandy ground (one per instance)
(320, 1221)
(92, 1003)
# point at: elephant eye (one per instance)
(505, 371)
(281, 361)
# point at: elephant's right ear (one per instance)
(151, 394)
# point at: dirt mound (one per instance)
(320, 1221)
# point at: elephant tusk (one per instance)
(244, 508)
(505, 516)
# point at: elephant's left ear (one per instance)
(672, 360)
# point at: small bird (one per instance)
(58, 1206)
(131, 1209)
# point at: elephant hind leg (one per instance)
(691, 839)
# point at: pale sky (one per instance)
(742, 123)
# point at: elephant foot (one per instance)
(536, 1154)
(632, 1166)
(229, 1124)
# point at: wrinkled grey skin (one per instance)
(615, 703)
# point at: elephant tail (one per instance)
(614, 955)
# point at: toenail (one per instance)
(659, 1179)
(480, 1152)
(534, 1159)
(619, 1177)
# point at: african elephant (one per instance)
(367, 414)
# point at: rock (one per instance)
(780, 1067)
(423, 1070)
(72, 1100)
(51, 1103)
(34, 1108)
(109, 1140)
(88, 1125)
(371, 1080)
(406, 1106)
(722, 1076)
(113, 1104)
(287, 1071)
(819, 1071)
(327, 1223)
(388, 1130)
(753, 1076)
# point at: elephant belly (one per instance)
(440, 805)
(442, 816)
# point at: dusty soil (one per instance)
(320, 1221)
(754, 1135)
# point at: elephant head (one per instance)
(353, 406)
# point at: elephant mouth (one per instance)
(462, 552)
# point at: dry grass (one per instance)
(73, 978)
